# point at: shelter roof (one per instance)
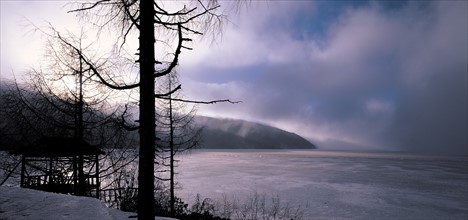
(59, 147)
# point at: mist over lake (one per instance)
(333, 184)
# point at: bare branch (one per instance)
(191, 30)
(122, 121)
(103, 81)
(188, 20)
(130, 16)
(93, 69)
(90, 7)
(169, 93)
(179, 13)
(176, 55)
(201, 102)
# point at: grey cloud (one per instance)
(433, 119)
(394, 80)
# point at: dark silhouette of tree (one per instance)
(176, 132)
(59, 99)
(154, 23)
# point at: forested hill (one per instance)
(239, 134)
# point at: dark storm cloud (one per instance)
(433, 118)
(375, 78)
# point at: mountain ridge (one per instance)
(226, 133)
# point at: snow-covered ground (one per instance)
(27, 204)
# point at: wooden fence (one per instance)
(115, 197)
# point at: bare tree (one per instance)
(176, 132)
(61, 99)
(154, 22)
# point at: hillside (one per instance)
(239, 134)
(217, 133)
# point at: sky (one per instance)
(367, 75)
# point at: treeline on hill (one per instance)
(28, 115)
(213, 133)
(240, 134)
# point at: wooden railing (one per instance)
(114, 197)
(47, 183)
(61, 184)
(35, 181)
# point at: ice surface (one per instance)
(335, 185)
(330, 185)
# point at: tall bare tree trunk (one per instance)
(171, 158)
(147, 112)
(81, 188)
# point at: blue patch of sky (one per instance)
(315, 23)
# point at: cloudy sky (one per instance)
(376, 75)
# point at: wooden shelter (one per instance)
(61, 165)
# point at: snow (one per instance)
(28, 204)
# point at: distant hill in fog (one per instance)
(239, 134)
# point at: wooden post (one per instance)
(98, 182)
(23, 170)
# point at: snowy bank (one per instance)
(21, 203)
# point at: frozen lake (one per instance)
(335, 185)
